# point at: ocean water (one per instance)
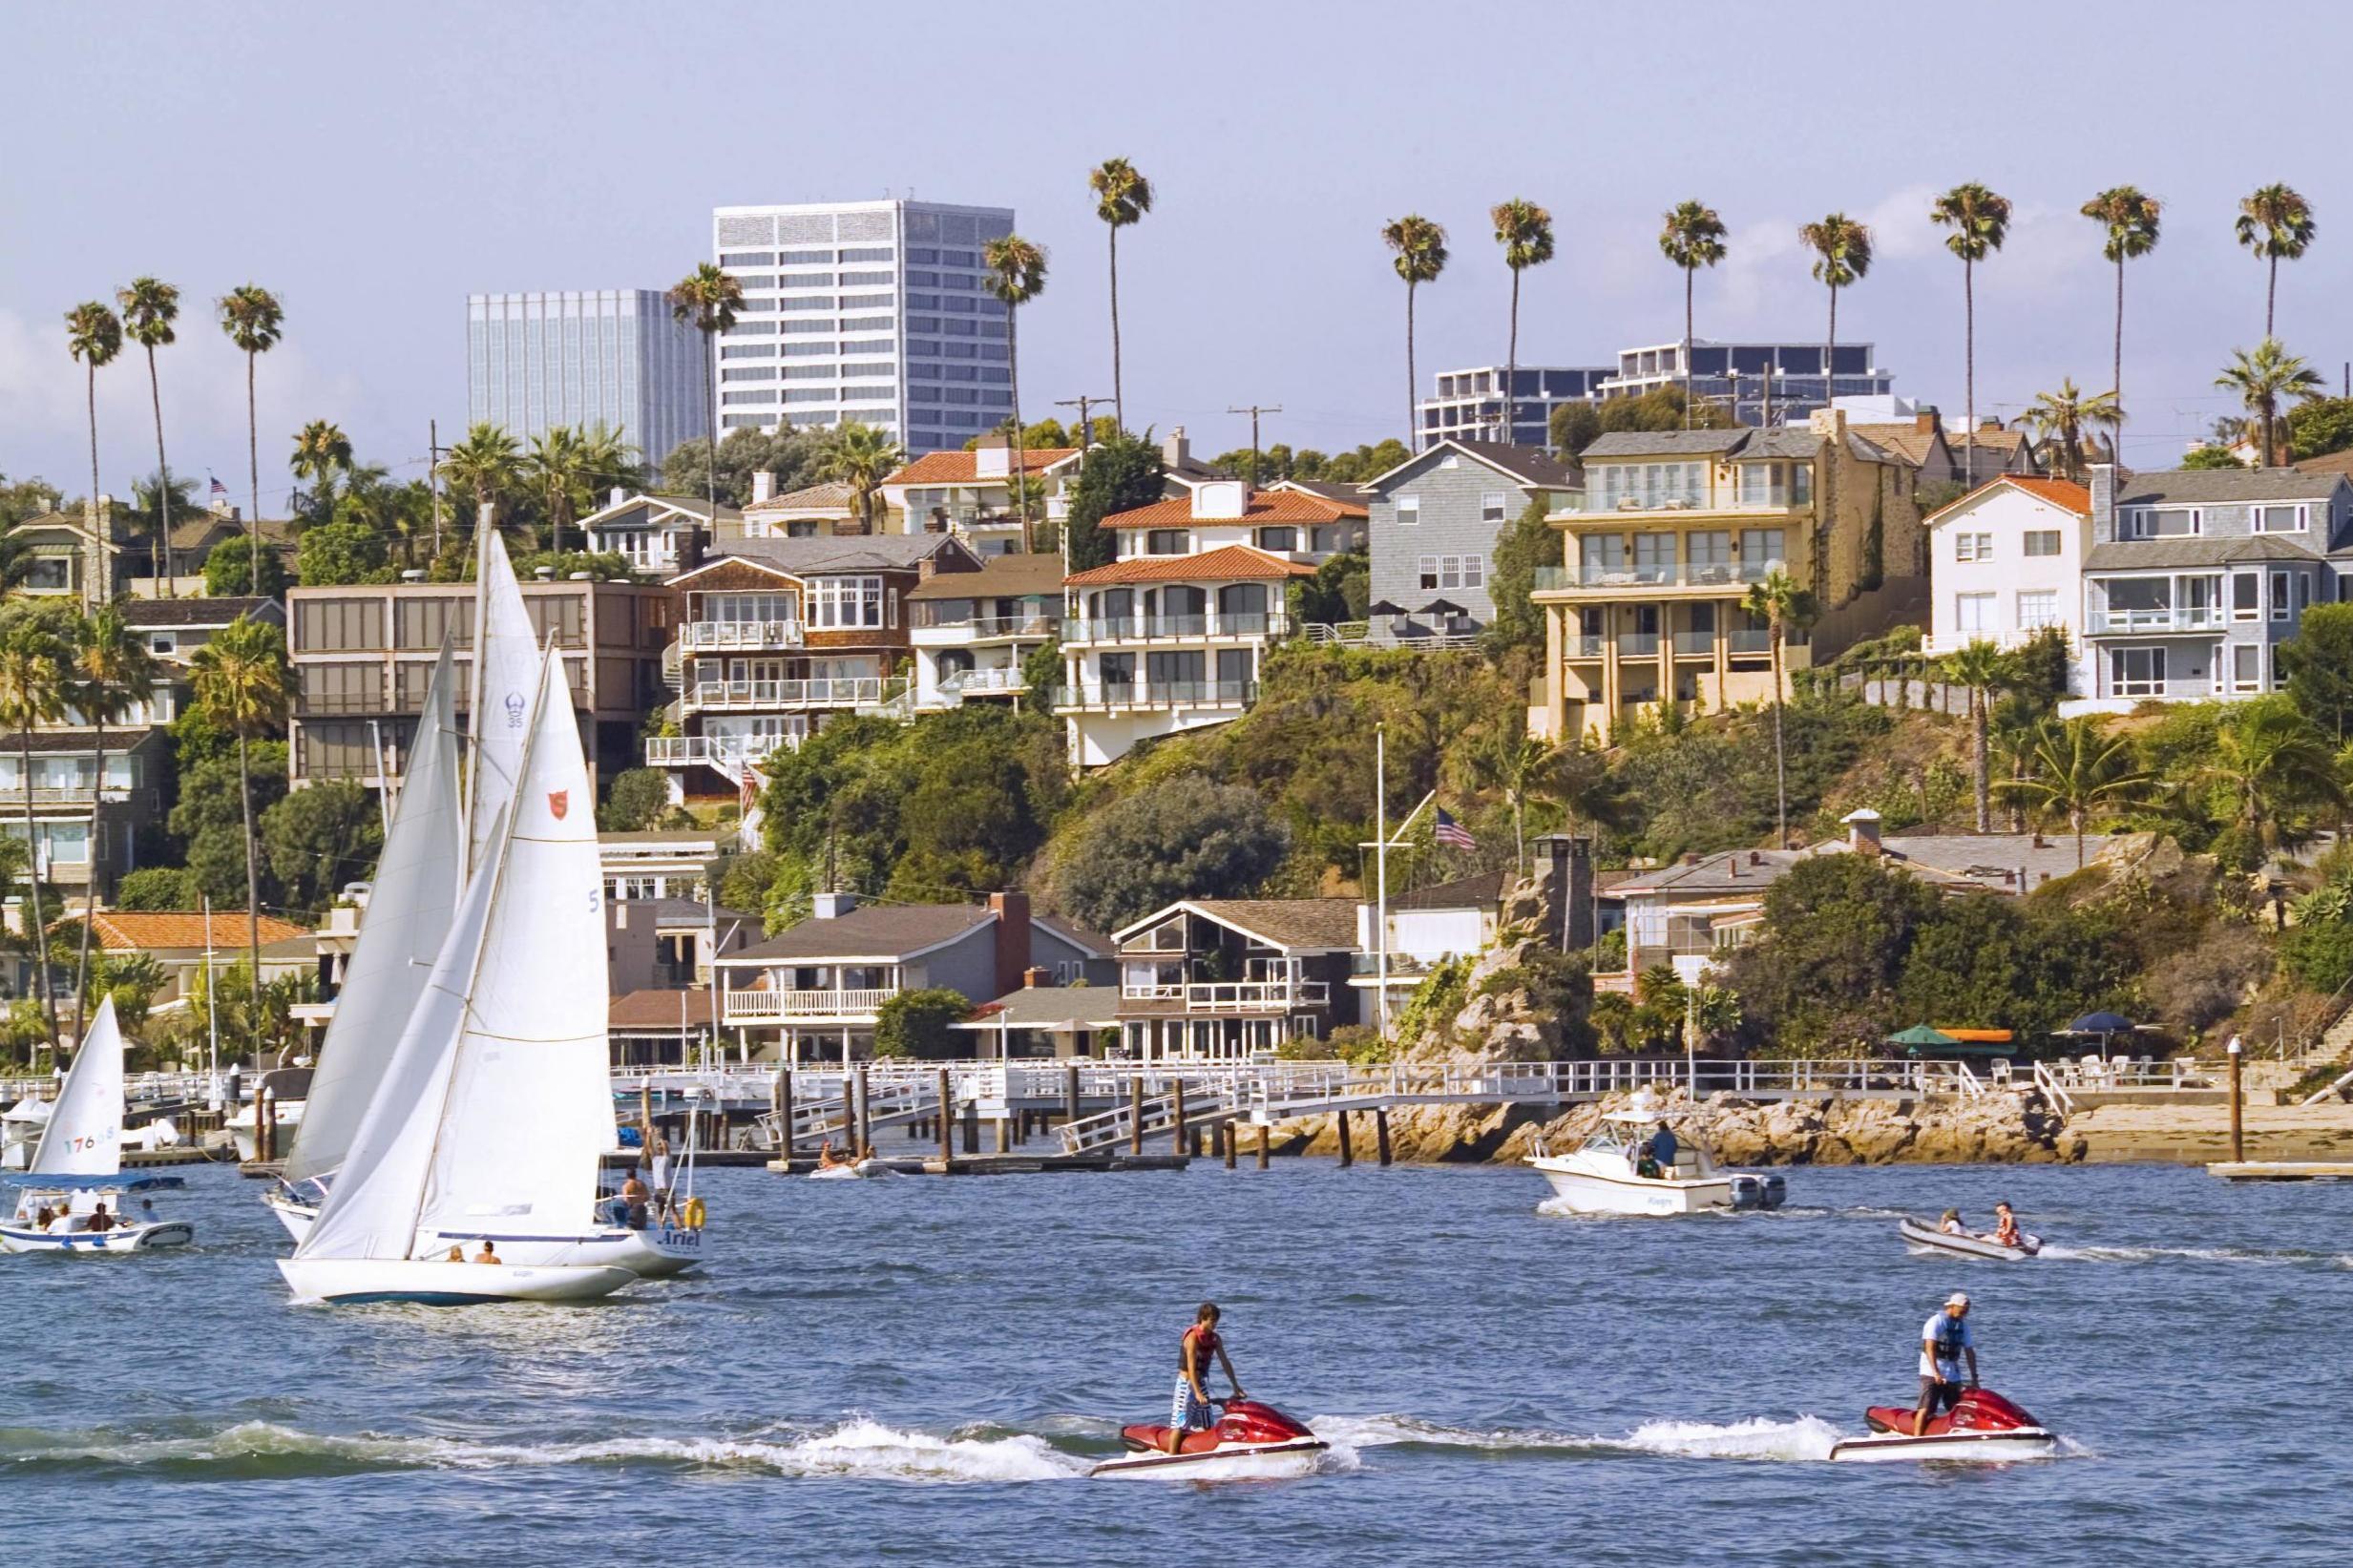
(920, 1371)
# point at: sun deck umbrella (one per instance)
(1921, 1036)
(1383, 607)
(1441, 607)
(2104, 1025)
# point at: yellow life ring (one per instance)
(693, 1214)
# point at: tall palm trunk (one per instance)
(710, 407)
(163, 497)
(1686, 348)
(253, 461)
(2270, 295)
(90, 898)
(1968, 356)
(1980, 761)
(38, 934)
(1119, 404)
(1780, 765)
(2115, 378)
(2076, 820)
(1825, 492)
(253, 897)
(1511, 363)
(1021, 450)
(95, 556)
(1413, 384)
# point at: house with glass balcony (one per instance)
(2006, 563)
(1171, 634)
(1233, 978)
(2194, 577)
(1671, 532)
(815, 990)
(971, 493)
(779, 637)
(970, 632)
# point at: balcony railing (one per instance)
(844, 693)
(1592, 503)
(1638, 644)
(1584, 647)
(701, 634)
(1694, 642)
(1234, 996)
(1593, 575)
(1746, 642)
(1160, 694)
(713, 750)
(982, 628)
(754, 1006)
(2188, 617)
(1255, 624)
(971, 682)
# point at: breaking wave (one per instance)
(2195, 1254)
(1805, 1438)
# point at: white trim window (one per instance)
(1408, 512)
(1493, 506)
(2160, 522)
(2246, 667)
(1972, 547)
(1973, 613)
(2137, 672)
(2037, 608)
(845, 604)
(1443, 572)
(2282, 519)
(2040, 542)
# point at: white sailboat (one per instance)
(485, 1134)
(71, 1200)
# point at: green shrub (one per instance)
(918, 1024)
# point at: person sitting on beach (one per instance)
(2005, 1232)
(632, 1201)
(1950, 1225)
(488, 1254)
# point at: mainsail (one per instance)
(84, 1135)
(418, 881)
(506, 673)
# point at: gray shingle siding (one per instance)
(1453, 523)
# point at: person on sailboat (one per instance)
(633, 1200)
(100, 1219)
(488, 1255)
(458, 1253)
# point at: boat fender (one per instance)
(693, 1214)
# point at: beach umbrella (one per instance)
(1920, 1034)
(1383, 607)
(2100, 1023)
(1441, 607)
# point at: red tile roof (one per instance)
(1230, 562)
(123, 929)
(1266, 506)
(2062, 494)
(963, 469)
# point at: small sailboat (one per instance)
(485, 1131)
(71, 1200)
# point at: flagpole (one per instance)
(1380, 860)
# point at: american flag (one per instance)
(1452, 833)
(220, 488)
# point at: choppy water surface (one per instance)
(919, 1371)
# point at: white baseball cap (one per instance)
(1959, 1298)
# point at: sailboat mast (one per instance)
(470, 761)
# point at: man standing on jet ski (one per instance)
(1944, 1339)
(1191, 1409)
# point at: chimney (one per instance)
(832, 905)
(1828, 423)
(1013, 965)
(2103, 503)
(1033, 976)
(545, 573)
(1732, 866)
(1924, 422)
(1862, 831)
(1221, 500)
(762, 487)
(993, 458)
(1175, 451)
(691, 545)
(615, 497)
(1755, 859)
(1690, 858)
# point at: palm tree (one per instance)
(33, 688)
(1121, 197)
(1525, 231)
(2261, 379)
(2061, 417)
(1016, 270)
(113, 673)
(1981, 666)
(608, 456)
(2078, 769)
(1842, 247)
(1692, 238)
(2273, 761)
(1777, 601)
(1512, 760)
(486, 465)
(240, 680)
(708, 298)
(150, 306)
(94, 334)
(254, 321)
(322, 454)
(1421, 247)
(2131, 221)
(1980, 222)
(861, 456)
(2276, 224)
(557, 466)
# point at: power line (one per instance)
(1254, 410)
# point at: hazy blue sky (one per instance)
(373, 165)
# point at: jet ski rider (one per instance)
(1944, 1339)
(1191, 1409)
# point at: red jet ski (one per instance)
(1249, 1442)
(1982, 1428)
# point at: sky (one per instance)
(375, 165)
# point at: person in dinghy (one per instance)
(1191, 1409)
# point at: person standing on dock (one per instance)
(1945, 1339)
(1193, 1409)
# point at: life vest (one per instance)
(1204, 1345)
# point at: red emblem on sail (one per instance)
(559, 801)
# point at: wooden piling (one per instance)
(265, 1120)
(2238, 1131)
(1070, 1094)
(971, 1128)
(858, 1146)
(784, 1109)
(1228, 1136)
(1261, 1145)
(1176, 1118)
(1135, 1114)
(1348, 1155)
(947, 1119)
(1381, 1136)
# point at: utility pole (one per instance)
(1254, 410)
(432, 468)
(1086, 438)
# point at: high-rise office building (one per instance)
(873, 311)
(611, 356)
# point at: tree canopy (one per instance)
(1186, 837)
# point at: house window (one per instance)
(2285, 519)
(1973, 612)
(1972, 547)
(2246, 668)
(2037, 608)
(2280, 595)
(50, 572)
(1167, 541)
(844, 602)
(2042, 541)
(1492, 506)
(2137, 672)
(1409, 511)
(1279, 540)
(1762, 549)
(162, 642)
(2160, 523)
(2246, 594)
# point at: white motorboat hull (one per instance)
(348, 1282)
(1927, 1238)
(285, 1120)
(1234, 1462)
(655, 1252)
(1982, 1447)
(1586, 1188)
(146, 1238)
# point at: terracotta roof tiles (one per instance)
(1266, 506)
(1232, 562)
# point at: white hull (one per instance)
(1982, 1447)
(147, 1237)
(657, 1252)
(1589, 1191)
(355, 1280)
(1244, 1462)
(1928, 1239)
(285, 1121)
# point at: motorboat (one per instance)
(20, 1129)
(1602, 1175)
(1250, 1441)
(243, 1127)
(72, 1179)
(1982, 1428)
(1922, 1236)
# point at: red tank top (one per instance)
(1204, 1345)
